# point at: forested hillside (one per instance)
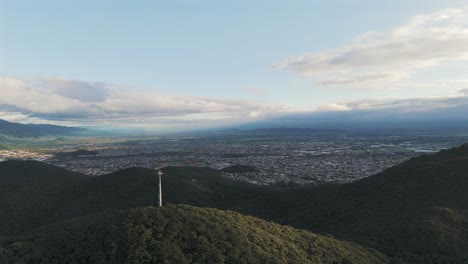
(184, 234)
(413, 213)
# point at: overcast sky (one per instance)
(186, 63)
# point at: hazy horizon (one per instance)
(185, 65)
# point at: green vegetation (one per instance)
(416, 212)
(37, 136)
(185, 234)
(62, 156)
(4, 146)
(34, 131)
(29, 190)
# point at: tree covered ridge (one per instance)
(184, 234)
(416, 212)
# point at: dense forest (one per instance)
(415, 212)
(184, 234)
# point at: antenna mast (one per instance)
(160, 187)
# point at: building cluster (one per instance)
(23, 154)
(301, 161)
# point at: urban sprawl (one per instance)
(295, 161)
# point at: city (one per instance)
(275, 160)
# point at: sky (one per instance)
(192, 64)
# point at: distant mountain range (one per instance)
(394, 118)
(416, 212)
(35, 130)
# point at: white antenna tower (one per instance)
(160, 173)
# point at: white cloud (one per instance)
(63, 101)
(255, 114)
(464, 91)
(385, 59)
(334, 107)
(400, 105)
(79, 90)
(430, 112)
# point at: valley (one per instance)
(414, 212)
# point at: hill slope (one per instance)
(415, 212)
(31, 189)
(184, 234)
(33, 130)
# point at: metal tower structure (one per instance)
(160, 173)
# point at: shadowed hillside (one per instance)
(184, 234)
(30, 190)
(415, 212)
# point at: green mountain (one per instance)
(31, 189)
(416, 212)
(4, 145)
(185, 234)
(35, 130)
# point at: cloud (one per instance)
(255, 114)
(92, 103)
(384, 59)
(334, 107)
(464, 91)
(422, 113)
(50, 100)
(79, 90)
(401, 105)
